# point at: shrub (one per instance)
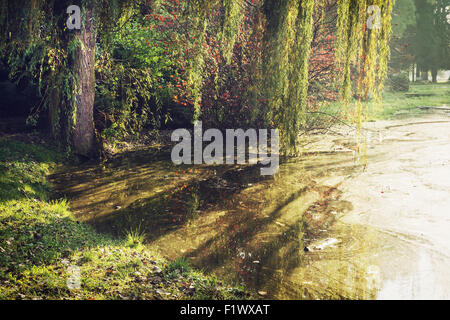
(399, 82)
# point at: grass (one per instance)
(396, 104)
(135, 239)
(42, 245)
(404, 103)
(179, 266)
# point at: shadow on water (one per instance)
(230, 220)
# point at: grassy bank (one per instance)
(407, 103)
(43, 248)
(395, 104)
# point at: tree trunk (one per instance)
(434, 73)
(83, 135)
(417, 71)
(424, 75)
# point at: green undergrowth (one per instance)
(44, 250)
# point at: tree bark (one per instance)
(83, 135)
(424, 76)
(434, 73)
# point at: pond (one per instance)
(278, 235)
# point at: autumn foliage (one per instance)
(231, 94)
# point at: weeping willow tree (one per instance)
(34, 37)
(37, 43)
(288, 41)
(360, 51)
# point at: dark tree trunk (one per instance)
(434, 73)
(83, 135)
(424, 75)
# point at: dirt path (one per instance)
(404, 194)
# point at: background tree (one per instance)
(403, 33)
(432, 42)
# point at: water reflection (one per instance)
(267, 232)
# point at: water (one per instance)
(325, 227)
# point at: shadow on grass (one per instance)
(23, 170)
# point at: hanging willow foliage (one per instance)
(361, 52)
(364, 52)
(289, 36)
(198, 13)
(364, 49)
(234, 11)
